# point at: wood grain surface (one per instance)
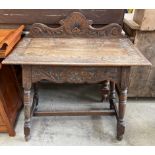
(76, 51)
(10, 100)
(53, 16)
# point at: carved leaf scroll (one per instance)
(75, 25)
(74, 74)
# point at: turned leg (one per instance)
(122, 106)
(27, 114)
(112, 96)
(105, 90)
(26, 79)
(36, 96)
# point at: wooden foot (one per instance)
(112, 96)
(120, 130)
(120, 121)
(27, 114)
(27, 133)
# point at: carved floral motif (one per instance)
(74, 74)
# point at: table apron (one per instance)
(73, 74)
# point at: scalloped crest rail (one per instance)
(75, 25)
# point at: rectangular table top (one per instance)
(76, 52)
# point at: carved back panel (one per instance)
(75, 25)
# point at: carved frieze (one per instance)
(74, 74)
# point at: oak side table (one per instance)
(76, 52)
